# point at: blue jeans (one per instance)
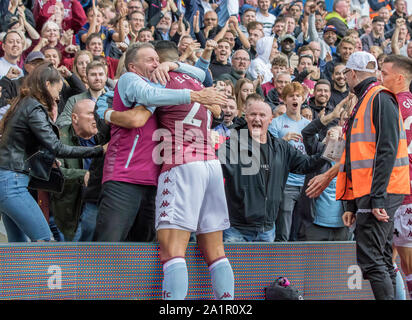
(235, 235)
(57, 235)
(87, 223)
(21, 214)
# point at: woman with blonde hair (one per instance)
(243, 88)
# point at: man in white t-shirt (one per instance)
(13, 43)
(263, 16)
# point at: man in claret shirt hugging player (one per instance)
(190, 194)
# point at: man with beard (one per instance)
(220, 64)
(240, 65)
(163, 27)
(339, 89)
(96, 79)
(211, 27)
(320, 101)
(287, 44)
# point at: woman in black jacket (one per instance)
(28, 147)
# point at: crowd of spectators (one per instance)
(251, 50)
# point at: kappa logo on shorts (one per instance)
(167, 180)
(166, 192)
(164, 204)
(226, 295)
(409, 222)
(408, 211)
(163, 214)
(396, 232)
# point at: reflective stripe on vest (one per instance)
(363, 152)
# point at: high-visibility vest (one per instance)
(362, 155)
(373, 13)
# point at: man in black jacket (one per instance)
(255, 166)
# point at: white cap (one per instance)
(359, 60)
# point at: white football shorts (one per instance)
(403, 226)
(192, 197)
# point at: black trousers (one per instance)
(374, 247)
(126, 213)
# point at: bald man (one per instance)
(74, 212)
(249, 162)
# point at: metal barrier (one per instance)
(321, 270)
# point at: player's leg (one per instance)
(223, 282)
(213, 219)
(173, 244)
(405, 253)
(178, 201)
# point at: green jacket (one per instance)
(338, 22)
(67, 206)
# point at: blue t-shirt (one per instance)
(105, 34)
(282, 125)
(87, 143)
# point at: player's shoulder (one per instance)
(179, 80)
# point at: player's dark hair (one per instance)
(400, 62)
(167, 50)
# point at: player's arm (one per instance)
(161, 74)
(130, 119)
(134, 90)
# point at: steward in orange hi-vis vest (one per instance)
(375, 5)
(362, 156)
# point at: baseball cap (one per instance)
(330, 28)
(34, 55)
(287, 36)
(359, 60)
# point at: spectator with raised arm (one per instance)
(69, 14)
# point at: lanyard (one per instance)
(346, 125)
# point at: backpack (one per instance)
(282, 289)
